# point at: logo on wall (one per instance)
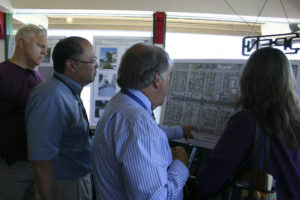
(288, 43)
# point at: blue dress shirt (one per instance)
(57, 129)
(131, 153)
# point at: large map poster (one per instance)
(109, 50)
(203, 93)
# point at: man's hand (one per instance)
(187, 131)
(179, 153)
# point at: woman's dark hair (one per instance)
(268, 89)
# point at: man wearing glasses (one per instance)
(17, 79)
(59, 138)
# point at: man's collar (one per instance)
(142, 97)
(71, 83)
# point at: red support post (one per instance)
(159, 28)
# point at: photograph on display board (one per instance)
(52, 41)
(107, 84)
(108, 58)
(99, 107)
(110, 51)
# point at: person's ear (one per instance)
(157, 80)
(20, 43)
(70, 65)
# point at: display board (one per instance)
(203, 93)
(46, 67)
(109, 51)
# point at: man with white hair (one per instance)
(17, 79)
(132, 158)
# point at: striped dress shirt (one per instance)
(131, 154)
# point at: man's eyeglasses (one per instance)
(93, 62)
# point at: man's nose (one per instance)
(44, 51)
(96, 66)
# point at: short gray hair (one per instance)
(29, 30)
(139, 65)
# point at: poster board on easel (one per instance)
(109, 51)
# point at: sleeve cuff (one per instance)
(178, 132)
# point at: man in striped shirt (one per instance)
(131, 155)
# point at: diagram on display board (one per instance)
(109, 50)
(203, 93)
(46, 67)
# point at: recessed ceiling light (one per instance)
(69, 20)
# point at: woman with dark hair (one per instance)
(268, 96)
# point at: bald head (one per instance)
(140, 63)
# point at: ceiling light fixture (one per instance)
(69, 20)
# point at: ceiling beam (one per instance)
(145, 24)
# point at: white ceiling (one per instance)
(246, 9)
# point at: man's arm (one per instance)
(148, 170)
(45, 178)
(178, 132)
(44, 130)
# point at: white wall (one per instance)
(33, 19)
(5, 5)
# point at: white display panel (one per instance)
(46, 67)
(109, 51)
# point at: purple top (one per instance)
(16, 84)
(234, 150)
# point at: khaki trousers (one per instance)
(73, 189)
